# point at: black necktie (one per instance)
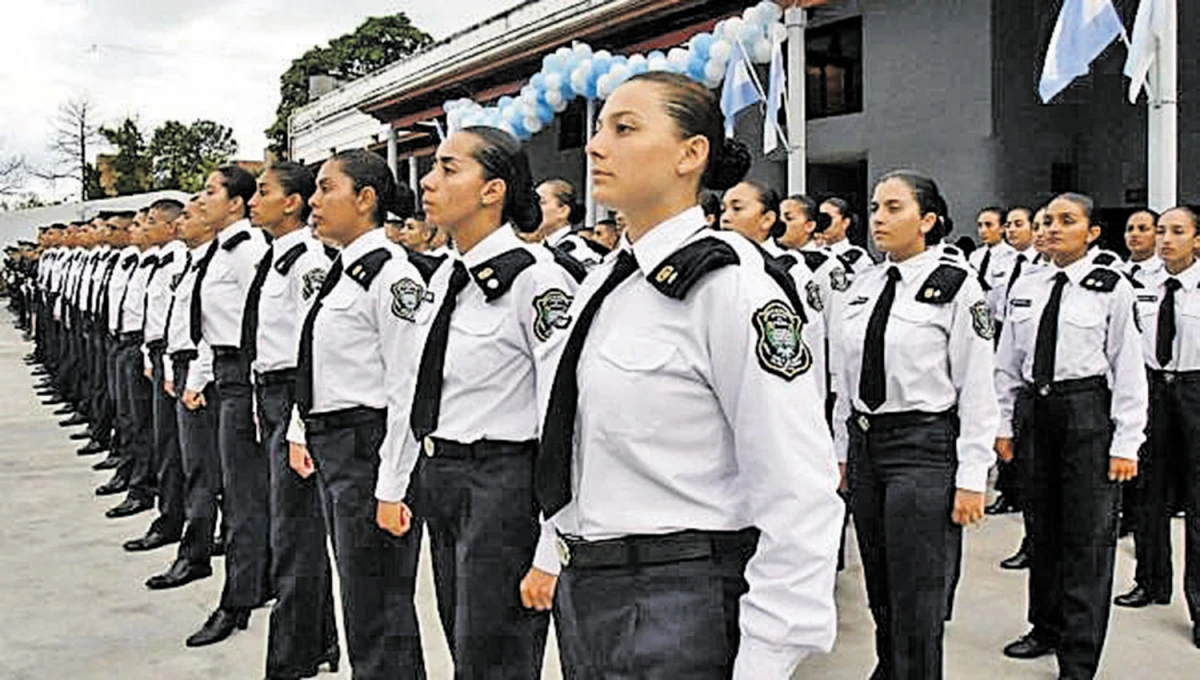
(1016, 273)
(552, 471)
(187, 264)
(1134, 271)
(983, 268)
(250, 314)
(427, 402)
(201, 269)
(1047, 335)
(872, 382)
(304, 376)
(1165, 345)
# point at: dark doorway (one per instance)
(847, 181)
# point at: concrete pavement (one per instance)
(72, 603)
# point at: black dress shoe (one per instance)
(1028, 647)
(91, 449)
(82, 435)
(152, 540)
(180, 574)
(1140, 597)
(1000, 507)
(129, 507)
(1195, 637)
(108, 463)
(1020, 560)
(65, 409)
(112, 486)
(77, 419)
(220, 625)
(54, 401)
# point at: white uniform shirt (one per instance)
(171, 260)
(133, 312)
(1185, 352)
(223, 290)
(816, 332)
(936, 357)
(298, 268)
(179, 325)
(1145, 272)
(99, 275)
(1097, 336)
(855, 259)
(126, 268)
(687, 421)
(574, 245)
(1002, 279)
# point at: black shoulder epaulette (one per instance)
(814, 259)
(1101, 280)
(330, 251)
(366, 268)
(1134, 282)
(496, 276)
(167, 259)
(786, 260)
(565, 247)
(1104, 259)
(425, 264)
(942, 285)
(284, 264)
(235, 241)
(567, 261)
(684, 268)
(777, 268)
(149, 262)
(952, 250)
(849, 259)
(130, 260)
(599, 248)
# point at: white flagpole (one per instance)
(589, 200)
(1162, 137)
(796, 19)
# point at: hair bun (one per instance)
(727, 167)
(403, 201)
(524, 211)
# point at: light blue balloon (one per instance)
(519, 131)
(545, 112)
(538, 81)
(505, 102)
(696, 69)
(656, 54)
(601, 64)
(701, 42)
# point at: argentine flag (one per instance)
(1084, 28)
(739, 90)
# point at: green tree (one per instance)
(379, 41)
(182, 156)
(132, 165)
(91, 183)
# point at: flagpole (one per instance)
(1162, 137)
(796, 19)
(589, 199)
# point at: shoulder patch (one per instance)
(781, 349)
(839, 280)
(814, 259)
(1105, 259)
(285, 262)
(551, 310)
(981, 320)
(942, 285)
(235, 241)
(407, 298)
(1101, 280)
(425, 264)
(564, 259)
(364, 270)
(685, 267)
(496, 276)
(813, 292)
(313, 279)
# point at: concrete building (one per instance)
(945, 86)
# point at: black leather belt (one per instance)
(157, 345)
(130, 337)
(184, 355)
(226, 352)
(1172, 377)
(883, 422)
(443, 448)
(320, 423)
(576, 553)
(1073, 386)
(280, 377)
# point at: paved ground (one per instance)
(73, 605)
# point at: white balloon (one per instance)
(771, 11)
(619, 74)
(533, 124)
(510, 114)
(752, 16)
(760, 53)
(560, 105)
(659, 64)
(778, 32)
(720, 51)
(750, 33)
(582, 50)
(636, 59)
(579, 78)
(711, 82)
(604, 86)
(678, 58)
(554, 97)
(554, 82)
(733, 28)
(714, 71)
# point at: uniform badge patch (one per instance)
(407, 298)
(781, 348)
(839, 280)
(814, 296)
(313, 279)
(981, 319)
(551, 310)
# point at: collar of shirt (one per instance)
(558, 235)
(130, 250)
(364, 244)
(198, 251)
(840, 247)
(152, 251)
(1149, 265)
(177, 247)
(659, 242)
(284, 243)
(773, 249)
(1190, 277)
(498, 242)
(913, 266)
(233, 230)
(1075, 271)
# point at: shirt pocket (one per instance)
(638, 356)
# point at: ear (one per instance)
(292, 204)
(927, 221)
(693, 154)
(492, 193)
(365, 201)
(1093, 233)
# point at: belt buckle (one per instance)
(564, 551)
(864, 423)
(430, 447)
(1044, 390)
(1169, 378)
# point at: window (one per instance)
(572, 123)
(834, 69)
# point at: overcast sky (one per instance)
(167, 59)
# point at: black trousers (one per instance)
(303, 630)
(1170, 478)
(377, 571)
(136, 416)
(201, 469)
(120, 436)
(901, 472)
(102, 404)
(168, 460)
(245, 488)
(483, 531)
(652, 622)
(1073, 525)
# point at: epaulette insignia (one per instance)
(942, 285)
(1101, 280)
(285, 262)
(364, 270)
(496, 276)
(684, 268)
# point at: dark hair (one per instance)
(812, 211)
(1084, 202)
(696, 111)
(770, 200)
(710, 203)
(966, 244)
(295, 179)
(238, 183)
(929, 200)
(607, 222)
(503, 158)
(1186, 210)
(1152, 213)
(169, 207)
(369, 169)
(844, 209)
(1025, 209)
(994, 209)
(566, 194)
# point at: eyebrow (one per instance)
(447, 160)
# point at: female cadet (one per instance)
(303, 633)
(698, 523)
(1069, 365)
(918, 421)
(560, 208)
(1170, 313)
(354, 381)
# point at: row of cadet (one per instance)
(661, 471)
